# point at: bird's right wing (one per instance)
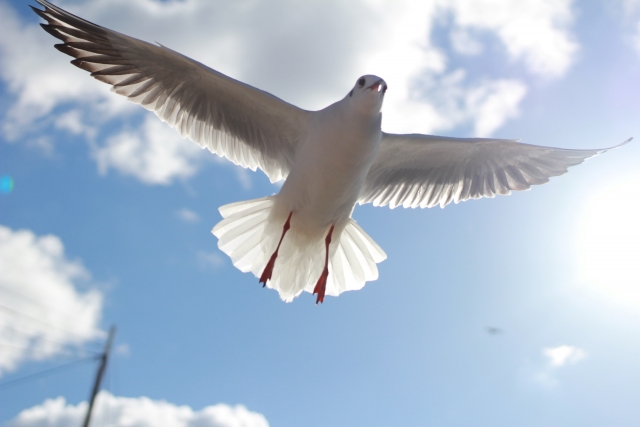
(250, 127)
(427, 170)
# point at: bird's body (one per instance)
(304, 238)
(331, 165)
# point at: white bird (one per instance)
(303, 238)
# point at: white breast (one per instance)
(330, 167)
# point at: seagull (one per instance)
(303, 238)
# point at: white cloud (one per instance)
(138, 412)
(123, 349)
(491, 104)
(423, 96)
(464, 43)
(628, 11)
(43, 143)
(210, 259)
(554, 359)
(43, 311)
(153, 153)
(244, 176)
(535, 31)
(635, 38)
(71, 121)
(487, 104)
(563, 355)
(630, 7)
(400, 51)
(188, 215)
(41, 78)
(311, 61)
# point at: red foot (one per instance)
(268, 270)
(321, 286)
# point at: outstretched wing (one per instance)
(425, 170)
(250, 127)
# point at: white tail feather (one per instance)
(249, 234)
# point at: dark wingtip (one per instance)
(55, 33)
(41, 13)
(66, 49)
(82, 64)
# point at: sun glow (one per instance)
(610, 241)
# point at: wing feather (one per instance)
(250, 127)
(426, 170)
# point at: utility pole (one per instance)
(103, 366)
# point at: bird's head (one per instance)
(368, 93)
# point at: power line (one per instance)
(35, 301)
(27, 378)
(27, 348)
(5, 308)
(15, 346)
(40, 337)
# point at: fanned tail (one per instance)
(241, 234)
(249, 234)
(354, 261)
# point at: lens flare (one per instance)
(610, 241)
(6, 184)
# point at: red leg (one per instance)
(321, 285)
(268, 270)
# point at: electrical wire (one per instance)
(40, 337)
(9, 309)
(35, 301)
(46, 372)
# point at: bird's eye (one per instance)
(361, 81)
(384, 88)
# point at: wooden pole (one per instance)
(103, 366)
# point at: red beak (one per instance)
(376, 86)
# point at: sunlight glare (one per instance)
(610, 241)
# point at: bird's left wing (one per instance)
(250, 127)
(426, 170)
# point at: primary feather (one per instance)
(250, 127)
(427, 170)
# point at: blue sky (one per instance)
(109, 223)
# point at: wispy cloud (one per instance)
(537, 32)
(630, 7)
(40, 79)
(563, 355)
(392, 39)
(464, 43)
(556, 358)
(152, 153)
(244, 176)
(635, 38)
(123, 349)
(487, 104)
(210, 259)
(43, 312)
(71, 121)
(141, 411)
(188, 215)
